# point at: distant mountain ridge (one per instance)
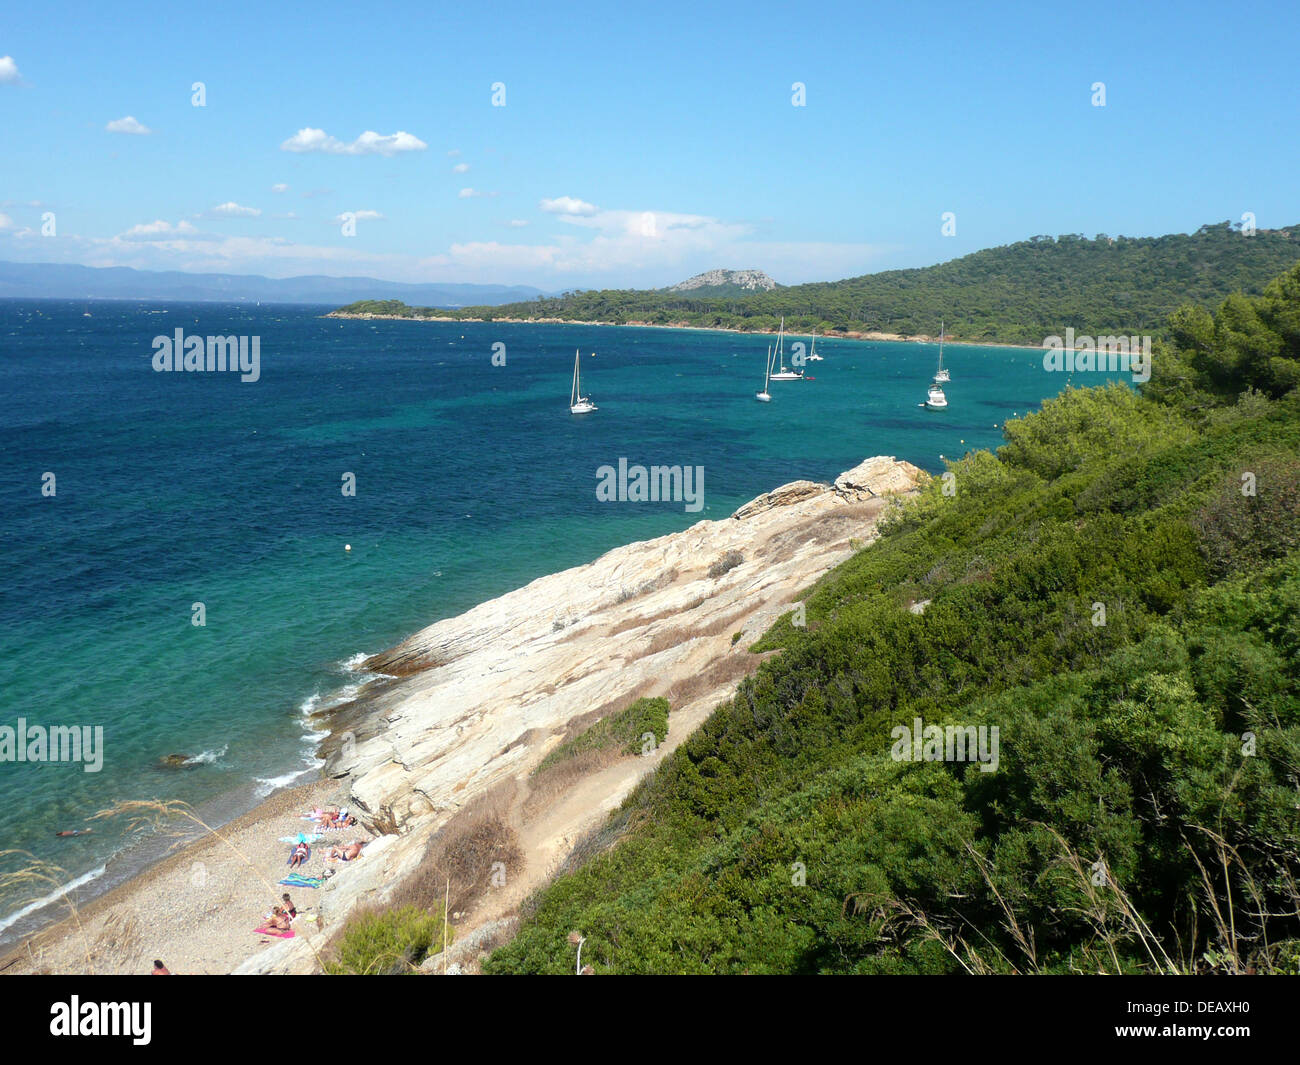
(725, 282)
(69, 281)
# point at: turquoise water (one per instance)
(472, 479)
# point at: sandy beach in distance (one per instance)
(850, 335)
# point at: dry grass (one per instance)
(650, 619)
(32, 879)
(464, 851)
(724, 673)
(1239, 943)
(666, 639)
(555, 780)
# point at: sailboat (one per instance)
(782, 374)
(942, 376)
(812, 355)
(765, 396)
(578, 403)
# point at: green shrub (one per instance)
(622, 732)
(386, 942)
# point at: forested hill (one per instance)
(1018, 293)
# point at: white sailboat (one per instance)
(942, 376)
(765, 396)
(578, 403)
(782, 374)
(812, 355)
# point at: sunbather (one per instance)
(300, 853)
(346, 853)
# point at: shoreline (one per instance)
(105, 920)
(895, 338)
(462, 712)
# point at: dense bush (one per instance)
(1096, 593)
(388, 942)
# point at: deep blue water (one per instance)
(472, 479)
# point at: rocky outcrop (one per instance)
(749, 280)
(484, 696)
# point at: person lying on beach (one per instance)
(289, 907)
(345, 853)
(298, 855)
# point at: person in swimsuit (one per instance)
(289, 907)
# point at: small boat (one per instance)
(782, 374)
(942, 376)
(935, 399)
(578, 403)
(812, 355)
(765, 396)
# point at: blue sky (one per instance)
(638, 144)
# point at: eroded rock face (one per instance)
(573, 641)
(485, 695)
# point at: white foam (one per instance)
(208, 757)
(53, 896)
(266, 785)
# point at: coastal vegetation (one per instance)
(387, 942)
(622, 732)
(1015, 294)
(1114, 596)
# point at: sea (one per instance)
(193, 563)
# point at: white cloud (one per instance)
(5, 221)
(568, 205)
(611, 248)
(454, 152)
(360, 216)
(159, 230)
(280, 187)
(460, 168)
(230, 209)
(369, 143)
(128, 125)
(469, 194)
(9, 71)
(517, 223)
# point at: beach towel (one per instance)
(273, 932)
(296, 880)
(301, 838)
